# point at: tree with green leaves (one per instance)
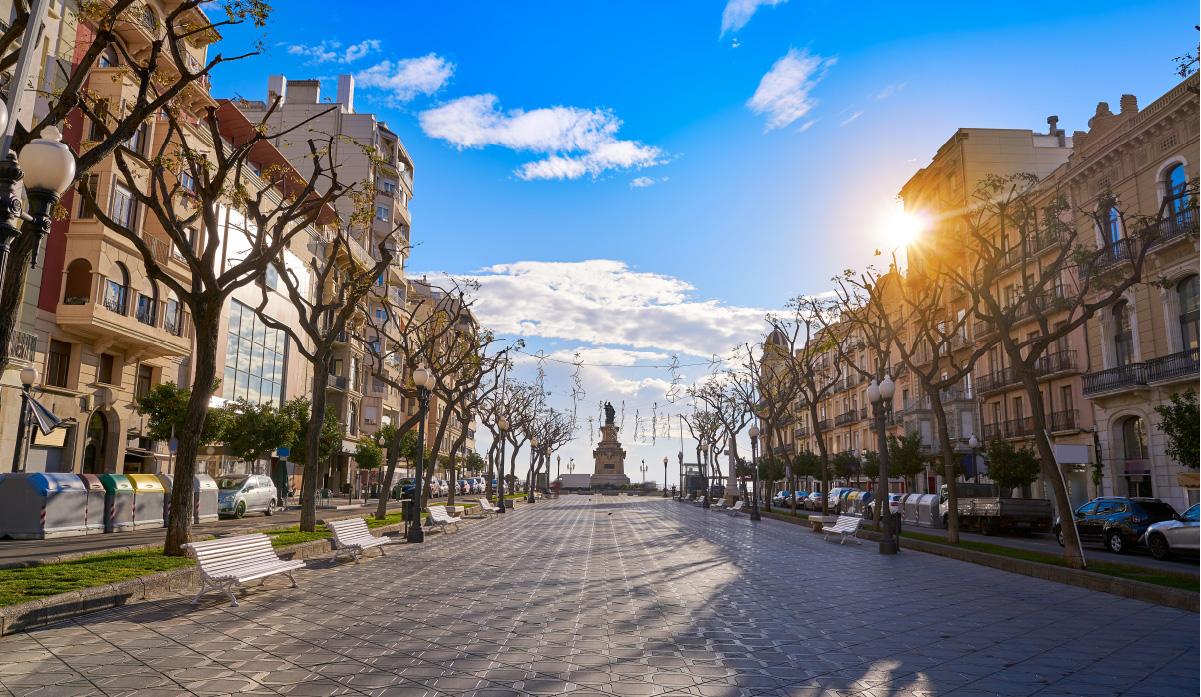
(807, 464)
(1010, 466)
(844, 464)
(474, 462)
(368, 455)
(255, 430)
(330, 442)
(871, 464)
(1179, 423)
(166, 405)
(905, 457)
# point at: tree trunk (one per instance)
(381, 508)
(179, 523)
(948, 461)
(312, 464)
(488, 489)
(1073, 553)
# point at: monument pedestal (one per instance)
(610, 470)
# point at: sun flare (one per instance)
(904, 228)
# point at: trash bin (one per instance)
(148, 497)
(118, 503)
(204, 499)
(867, 503)
(38, 505)
(168, 481)
(93, 512)
(927, 511)
(909, 509)
(409, 510)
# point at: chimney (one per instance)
(1129, 104)
(1052, 121)
(305, 91)
(277, 86)
(346, 92)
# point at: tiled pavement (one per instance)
(627, 597)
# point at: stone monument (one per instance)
(610, 457)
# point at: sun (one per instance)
(904, 228)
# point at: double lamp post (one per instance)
(880, 395)
(424, 381)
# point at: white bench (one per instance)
(846, 526)
(736, 508)
(719, 506)
(232, 561)
(487, 509)
(439, 516)
(352, 537)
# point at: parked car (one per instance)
(813, 502)
(239, 494)
(782, 498)
(1173, 536)
(1117, 521)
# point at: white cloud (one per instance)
(406, 78)
(890, 90)
(854, 116)
(736, 44)
(604, 302)
(576, 141)
(642, 182)
(739, 12)
(807, 126)
(783, 95)
(331, 51)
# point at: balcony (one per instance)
(899, 369)
(992, 432)
(1067, 420)
(1056, 363)
(1178, 225)
(801, 432)
(890, 420)
(1116, 253)
(1123, 378)
(23, 347)
(161, 251)
(985, 327)
(338, 382)
(1018, 428)
(1173, 367)
(998, 380)
(823, 425)
(845, 418)
(110, 317)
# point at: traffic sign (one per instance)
(173, 445)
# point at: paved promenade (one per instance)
(625, 597)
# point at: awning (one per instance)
(139, 452)
(1189, 480)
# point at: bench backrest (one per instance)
(738, 506)
(487, 505)
(846, 522)
(214, 556)
(348, 529)
(439, 513)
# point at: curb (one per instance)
(1139, 590)
(56, 608)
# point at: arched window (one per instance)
(352, 420)
(93, 452)
(1134, 444)
(1186, 290)
(116, 289)
(1176, 189)
(78, 289)
(147, 310)
(1123, 337)
(1113, 225)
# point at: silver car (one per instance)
(1177, 535)
(239, 494)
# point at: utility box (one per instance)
(118, 503)
(38, 505)
(93, 512)
(147, 501)
(204, 499)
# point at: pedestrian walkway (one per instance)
(626, 597)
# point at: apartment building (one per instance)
(365, 152)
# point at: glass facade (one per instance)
(254, 358)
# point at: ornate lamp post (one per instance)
(502, 425)
(29, 376)
(558, 466)
(664, 476)
(533, 450)
(424, 381)
(643, 468)
(571, 465)
(755, 468)
(705, 474)
(46, 167)
(881, 397)
(974, 444)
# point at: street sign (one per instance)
(283, 452)
(173, 445)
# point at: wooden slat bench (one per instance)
(232, 561)
(352, 537)
(487, 509)
(846, 526)
(736, 508)
(719, 506)
(439, 516)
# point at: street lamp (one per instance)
(705, 475)
(502, 425)
(29, 376)
(974, 444)
(46, 167)
(664, 476)
(533, 450)
(880, 396)
(558, 466)
(424, 381)
(571, 465)
(755, 463)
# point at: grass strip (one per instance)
(1126, 572)
(32, 582)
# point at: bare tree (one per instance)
(727, 396)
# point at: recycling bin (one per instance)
(167, 480)
(909, 508)
(148, 495)
(118, 503)
(93, 512)
(927, 511)
(38, 505)
(204, 499)
(865, 504)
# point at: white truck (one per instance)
(986, 507)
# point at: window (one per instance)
(381, 315)
(381, 213)
(388, 186)
(186, 182)
(254, 358)
(352, 419)
(1187, 292)
(1134, 444)
(91, 182)
(1113, 226)
(58, 360)
(1123, 337)
(121, 210)
(1177, 190)
(104, 373)
(145, 381)
(138, 140)
(116, 291)
(107, 59)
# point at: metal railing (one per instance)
(845, 418)
(1178, 224)
(1122, 377)
(160, 250)
(1176, 365)
(1019, 428)
(339, 382)
(23, 346)
(1059, 362)
(147, 311)
(993, 432)
(1115, 253)
(801, 432)
(1066, 420)
(823, 425)
(996, 380)
(984, 327)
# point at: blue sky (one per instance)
(738, 215)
